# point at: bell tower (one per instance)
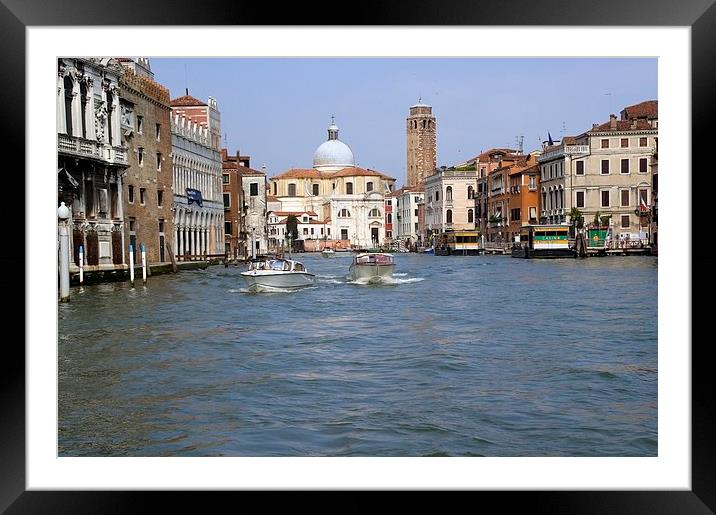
(421, 132)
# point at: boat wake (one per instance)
(392, 281)
(270, 289)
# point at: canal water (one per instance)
(457, 356)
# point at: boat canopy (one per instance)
(374, 259)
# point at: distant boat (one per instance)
(327, 252)
(282, 274)
(429, 250)
(543, 241)
(372, 266)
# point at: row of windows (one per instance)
(623, 142)
(557, 170)
(470, 216)
(140, 158)
(133, 225)
(375, 212)
(624, 197)
(143, 195)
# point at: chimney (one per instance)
(187, 91)
(594, 126)
(612, 121)
(224, 154)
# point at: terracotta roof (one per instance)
(623, 125)
(484, 157)
(648, 109)
(356, 171)
(249, 171)
(300, 173)
(187, 100)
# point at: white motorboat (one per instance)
(327, 252)
(277, 274)
(372, 266)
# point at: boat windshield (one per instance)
(374, 259)
(278, 264)
(298, 267)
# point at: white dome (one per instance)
(333, 153)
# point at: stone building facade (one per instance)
(145, 122)
(421, 131)
(198, 193)
(406, 225)
(91, 159)
(450, 201)
(605, 171)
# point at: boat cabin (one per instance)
(537, 237)
(373, 259)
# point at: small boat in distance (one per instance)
(429, 250)
(277, 274)
(327, 252)
(372, 266)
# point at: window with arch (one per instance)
(68, 104)
(315, 189)
(344, 213)
(448, 216)
(349, 188)
(448, 193)
(470, 216)
(470, 192)
(437, 196)
(275, 187)
(390, 218)
(83, 106)
(369, 186)
(291, 190)
(374, 212)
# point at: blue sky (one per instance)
(276, 110)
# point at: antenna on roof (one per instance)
(564, 130)
(225, 143)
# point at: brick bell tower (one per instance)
(421, 131)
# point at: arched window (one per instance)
(315, 189)
(437, 196)
(369, 186)
(375, 212)
(425, 123)
(344, 213)
(110, 105)
(448, 216)
(349, 188)
(275, 186)
(83, 105)
(448, 193)
(291, 190)
(470, 217)
(470, 192)
(68, 104)
(390, 218)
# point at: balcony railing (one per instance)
(92, 149)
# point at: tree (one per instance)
(575, 215)
(292, 227)
(605, 219)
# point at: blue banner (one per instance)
(194, 196)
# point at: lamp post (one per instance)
(63, 214)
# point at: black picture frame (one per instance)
(700, 15)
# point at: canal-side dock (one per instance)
(111, 273)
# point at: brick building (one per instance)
(148, 182)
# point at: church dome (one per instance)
(333, 155)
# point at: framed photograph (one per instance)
(77, 449)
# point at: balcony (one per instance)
(447, 202)
(81, 147)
